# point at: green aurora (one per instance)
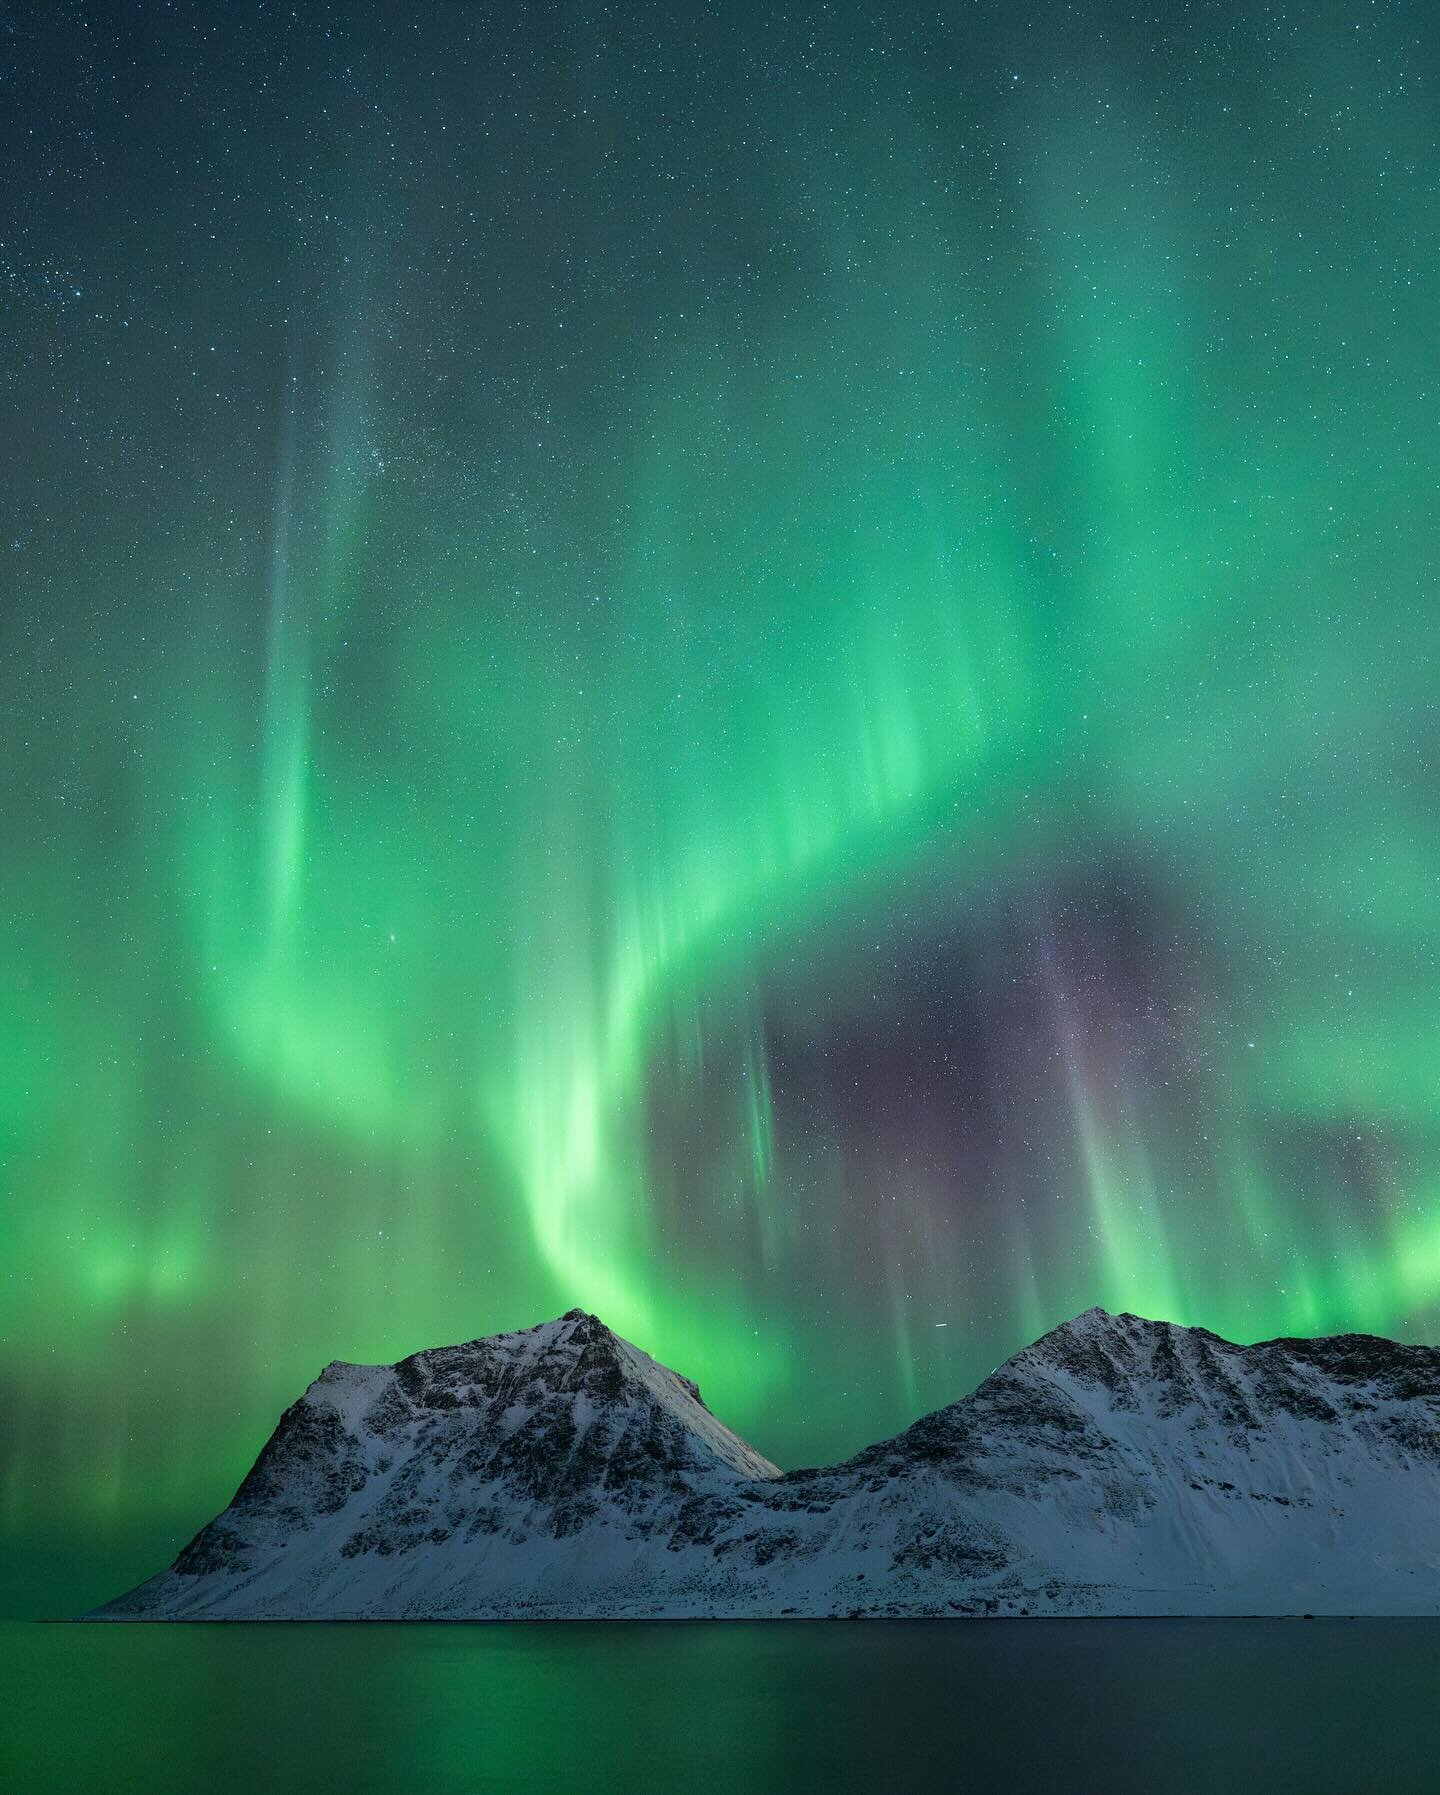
(779, 681)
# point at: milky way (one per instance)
(775, 677)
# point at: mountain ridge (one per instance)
(1114, 1465)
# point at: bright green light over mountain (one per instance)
(789, 727)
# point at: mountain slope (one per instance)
(1115, 1466)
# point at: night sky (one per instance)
(772, 671)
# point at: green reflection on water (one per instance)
(1182, 1706)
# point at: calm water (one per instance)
(1175, 1706)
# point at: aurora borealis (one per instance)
(768, 671)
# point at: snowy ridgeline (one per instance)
(1117, 1466)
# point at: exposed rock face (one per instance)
(1115, 1466)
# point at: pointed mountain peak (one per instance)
(1095, 1345)
(581, 1325)
(1095, 1316)
(1097, 1321)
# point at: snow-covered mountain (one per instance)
(1117, 1466)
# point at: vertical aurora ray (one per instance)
(781, 690)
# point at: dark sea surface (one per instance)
(1210, 1705)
